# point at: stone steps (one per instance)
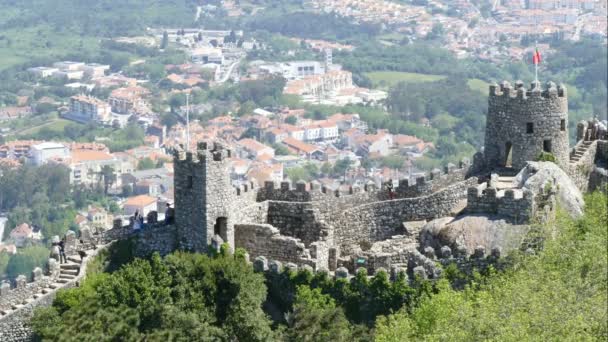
(69, 272)
(70, 266)
(74, 259)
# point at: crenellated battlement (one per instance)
(517, 205)
(519, 91)
(314, 191)
(204, 152)
(524, 122)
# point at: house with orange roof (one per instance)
(129, 100)
(254, 149)
(262, 173)
(402, 141)
(143, 204)
(17, 149)
(86, 165)
(303, 149)
(379, 143)
(221, 121)
(21, 234)
(275, 135)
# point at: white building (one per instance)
(41, 153)
(294, 70)
(89, 109)
(95, 70)
(69, 74)
(143, 204)
(206, 55)
(69, 65)
(42, 71)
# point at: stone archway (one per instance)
(221, 228)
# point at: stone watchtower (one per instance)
(522, 123)
(203, 196)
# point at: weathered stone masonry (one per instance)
(525, 122)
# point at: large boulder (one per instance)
(471, 231)
(539, 176)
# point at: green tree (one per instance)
(316, 317)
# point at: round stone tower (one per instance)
(522, 123)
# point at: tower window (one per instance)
(190, 182)
(547, 146)
(562, 125)
(529, 127)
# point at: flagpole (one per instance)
(536, 63)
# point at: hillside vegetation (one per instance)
(558, 294)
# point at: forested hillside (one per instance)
(103, 18)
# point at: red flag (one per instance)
(536, 57)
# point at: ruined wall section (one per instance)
(515, 205)
(528, 120)
(381, 220)
(581, 169)
(266, 240)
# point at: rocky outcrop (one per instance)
(540, 176)
(472, 231)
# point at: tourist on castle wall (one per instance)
(389, 187)
(62, 257)
(169, 214)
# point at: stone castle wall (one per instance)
(18, 304)
(266, 240)
(580, 171)
(516, 205)
(524, 119)
(381, 220)
(22, 290)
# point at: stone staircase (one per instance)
(67, 272)
(505, 182)
(579, 151)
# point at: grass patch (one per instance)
(18, 46)
(387, 79)
(479, 85)
(56, 125)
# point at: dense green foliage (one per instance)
(100, 18)
(561, 294)
(35, 195)
(184, 296)
(311, 25)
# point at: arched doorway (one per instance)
(221, 228)
(508, 161)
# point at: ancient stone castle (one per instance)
(306, 225)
